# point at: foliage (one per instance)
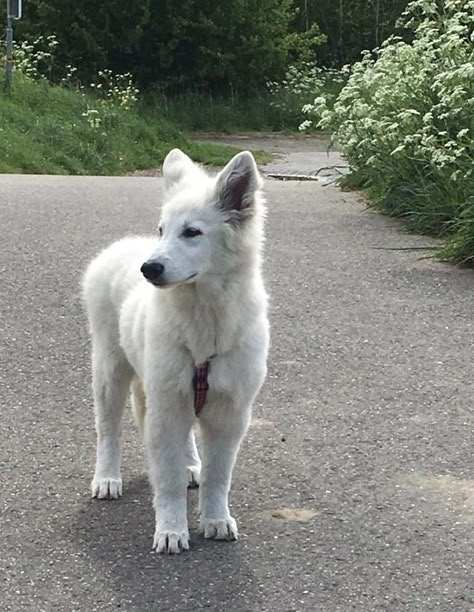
(195, 50)
(185, 45)
(47, 128)
(302, 46)
(405, 122)
(116, 89)
(276, 108)
(43, 130)
(302, 83)
(35, 59)
(349, 26)
(207, 112)
(229, 47)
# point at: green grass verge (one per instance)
(43, 130)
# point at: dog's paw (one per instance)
(194, 475)
(106, 488)
(170, 542)
(219, 529)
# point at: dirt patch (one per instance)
(456, 493)
(299, 515)
(258, 422)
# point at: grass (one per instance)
(425, 205)
(209, 113)
(43, 130)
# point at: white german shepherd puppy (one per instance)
(160, 306)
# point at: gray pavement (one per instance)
(354, 489)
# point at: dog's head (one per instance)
(209, 225)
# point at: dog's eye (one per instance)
(191, 232)
(160, 231)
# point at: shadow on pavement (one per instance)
(116, 536)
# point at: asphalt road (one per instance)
(363, 432)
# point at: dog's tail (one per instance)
(138, 401)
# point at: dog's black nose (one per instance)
(152, 270)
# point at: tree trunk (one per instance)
(340, 40)
(377, 23)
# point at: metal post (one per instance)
(14, 11)
(9, 65)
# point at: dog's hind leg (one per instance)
(111, 376)
(193, 461)
(138, 401)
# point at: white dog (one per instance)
(181, 321)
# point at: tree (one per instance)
(190, 44)
(350, 25)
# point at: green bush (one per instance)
(405, 121)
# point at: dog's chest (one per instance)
(208, 335)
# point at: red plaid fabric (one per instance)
(200, 386)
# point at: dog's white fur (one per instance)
(208, 303)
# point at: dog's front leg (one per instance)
(221, 434)
(167, 427)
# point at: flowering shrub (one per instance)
(301, 83)
(405, 122)
(113, 91)
(35, 60)
(118, 89)
(93, 118)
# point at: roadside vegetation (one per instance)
(111, 88)
(207, 66)
(405, 120)
(278, 107)
(48, 129)
(66, 128)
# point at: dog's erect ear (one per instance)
(237, 184)
(175, 166)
